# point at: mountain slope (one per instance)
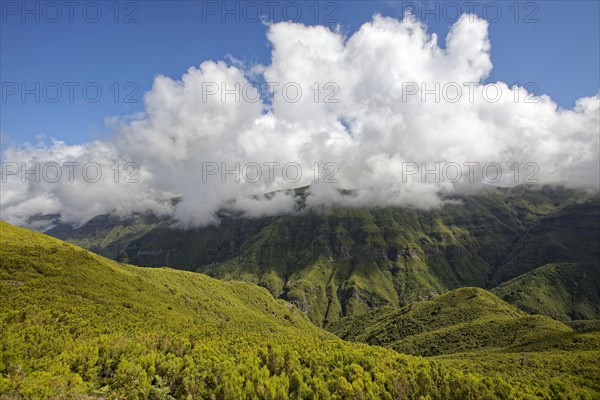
(566, 291)
(461, 320)
(346, 261)
(571, 234)
(75, 325)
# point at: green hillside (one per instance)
(566, 291)
(461, 320)
(74, 324)
(571, 234)
(346, 261)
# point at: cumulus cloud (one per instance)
(386, 112)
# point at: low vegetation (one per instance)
(74, 324)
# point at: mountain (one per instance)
(564, 291)
(462, 320)
(77, 325)
(346, 261)
(568, 235)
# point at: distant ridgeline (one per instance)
(535, 247)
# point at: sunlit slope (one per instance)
(465, 319)
(565, 291)
(40, 270)
(74, 323)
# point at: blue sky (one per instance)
(552, 43)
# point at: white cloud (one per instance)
(377, 127)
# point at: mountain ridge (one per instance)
(465, 319)
(346, 261)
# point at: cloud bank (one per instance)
(387, 112)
